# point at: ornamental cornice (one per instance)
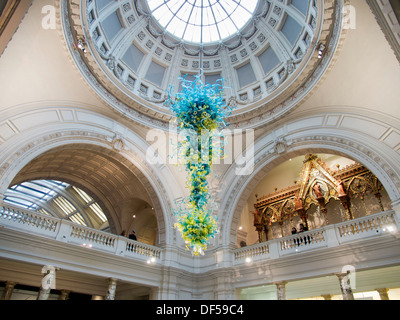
(259, 106)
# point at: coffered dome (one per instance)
(134, 51)
(202, 21)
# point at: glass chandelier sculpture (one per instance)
(200, 113)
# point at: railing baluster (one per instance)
(354, 229)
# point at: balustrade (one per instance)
(93, 236)
(360, 228)
(258, 250)
(69, 232)
(328, 236)
(302, 239)
(365, 226)
(135, 247)
(13, 216)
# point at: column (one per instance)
(345, 286)
(64, 295)
(48, 282)
(383, 293)
(43, 294)
(223, 286)
(112, 289)
(8, 290)
(281, 290)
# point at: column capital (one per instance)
(281, 283)
(9, 288)
(281, 289)
(383, 293)
(10, 284)
(64, 294)
(341, 275)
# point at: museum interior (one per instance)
(97, 201)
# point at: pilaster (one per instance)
(281, 290)
(345, 286)
(8, 290)
(112, 289)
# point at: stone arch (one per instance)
(100, 172)
(373, 155)
(27, 147)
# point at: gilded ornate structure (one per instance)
(318, 185)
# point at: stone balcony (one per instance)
(71, 233)
(374, 225)
(370, 241)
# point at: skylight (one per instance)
(31, 194)
(46, 197)
(219, 18)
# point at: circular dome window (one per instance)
(265, 50)
(202, 21)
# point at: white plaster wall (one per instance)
(35, 66)
(366, 73)
(353, 113)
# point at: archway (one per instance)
(113, 182)
(374, 156)
(273, 208)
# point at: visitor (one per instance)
(303, 229)
(132, 235)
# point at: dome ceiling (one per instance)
(202, 21)
(269, 60)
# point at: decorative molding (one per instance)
(388, 22)
(10, 19)
(266, 106)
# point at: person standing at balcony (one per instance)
(303, 229)
(132, 235)
(294, 231)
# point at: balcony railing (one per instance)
(66, 231)
(374, 225)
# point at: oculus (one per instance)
(202, 21)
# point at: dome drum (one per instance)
(132, 61)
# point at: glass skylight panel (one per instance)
(32, 190)
(83, 195)
(218, 19)
(29, 194)
(43, 211)
(97, 210)
(64, 205)
(20, 202)
(77, 218)
(32, 194)
(57, 183)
